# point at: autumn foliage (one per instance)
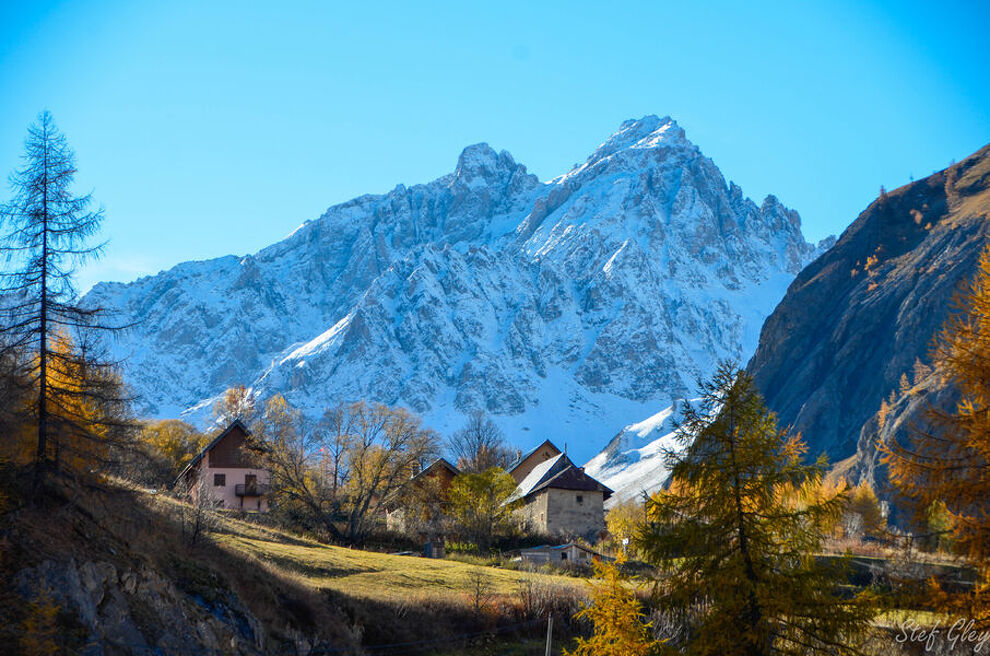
(617, 617)
(946, 472)
(737, 532)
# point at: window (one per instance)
(563, 555)
(219, 480)
(580, 498)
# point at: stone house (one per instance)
(430, 486)
(228, 472)
(559, 498)
(525, 462)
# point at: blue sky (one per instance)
(208, 128)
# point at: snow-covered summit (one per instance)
(647, 132)
(633, 463)
(480, 165)
(565, 309)
(635, 140)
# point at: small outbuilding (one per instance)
(569, 554)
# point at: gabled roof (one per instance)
(552, 549)
(439, 463)
(522, 458)
(558, 547)
(237, 423)
(557, 472)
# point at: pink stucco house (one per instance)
(228, 472)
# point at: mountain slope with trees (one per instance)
(856, 325)
(852, 332)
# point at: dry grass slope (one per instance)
(365, 574)
(296, 588)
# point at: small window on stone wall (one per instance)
(219, 480)
(580, 498)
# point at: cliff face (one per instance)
(857, 318)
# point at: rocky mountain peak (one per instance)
(647, 133)
(479, 164)
(566, 307)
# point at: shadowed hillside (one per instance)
(856, 319)
(109, 571)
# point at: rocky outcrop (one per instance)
(858, 318)
(138, 611)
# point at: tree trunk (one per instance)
(43, 329)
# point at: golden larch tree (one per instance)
(738, 532)
(619, 627)
(946, 470)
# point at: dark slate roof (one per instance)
(558, 472)
(237, 423)
(574, 478)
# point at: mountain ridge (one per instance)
(882, 292)
(560, 307)
(852, 323)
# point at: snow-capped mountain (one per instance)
(633, 462)
(564, 308)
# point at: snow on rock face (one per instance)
(563, 308)
(633, 463)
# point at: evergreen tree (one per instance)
(737, 533)
(45, 228)
(946, 472)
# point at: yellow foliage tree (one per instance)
(235, 403)
(737, 533)
(864, 516)
(171, 444)
(480, 504)
(948, 469)
(85, 410)
(616, 615)
(624, 522)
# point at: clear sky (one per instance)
(209, 128)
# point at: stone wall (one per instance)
(558, 512)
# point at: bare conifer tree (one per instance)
(44, 233)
